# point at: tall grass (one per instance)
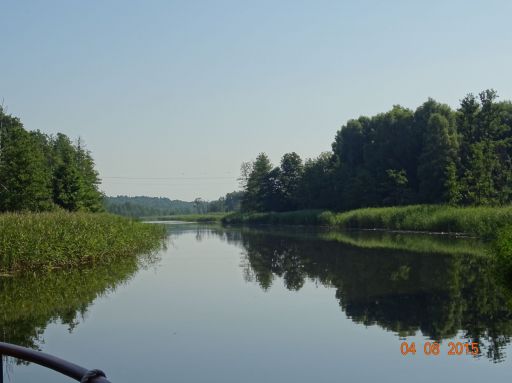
(299, 217)
(478, 221)
(61, 239)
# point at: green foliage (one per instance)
(231, 202)
(61, 239)
(290, 178)
(24, 175)
(437, 168)
(401, 157)
(143, 207)
(40, 173)
(316, 188)
(397, 186)
(258, 184)
(485, 171)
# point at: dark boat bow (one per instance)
(62, 366)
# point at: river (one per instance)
(270, 305)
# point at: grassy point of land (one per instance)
(34, 241)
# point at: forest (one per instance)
(143, 206)
(39, 172)
(432, 155)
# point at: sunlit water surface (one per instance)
(266, 305)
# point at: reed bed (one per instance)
(34, 241)
(479, 221)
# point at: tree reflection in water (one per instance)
(389, 280)
(29, 302)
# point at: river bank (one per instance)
(482, 222)
(35, 241)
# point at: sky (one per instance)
(172, 96)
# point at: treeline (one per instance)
(39, 172)
(431, 155)
(142, 206)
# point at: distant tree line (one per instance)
(39, 172)
(142, 206)
(431, 155)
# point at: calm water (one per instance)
(251, 305)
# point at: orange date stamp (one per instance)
(434, 348)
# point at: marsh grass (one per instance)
(35, 241)
(483, 222)
(299, 217)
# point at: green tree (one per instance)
(290, 178)
(348, 166)
(397, 187)
(233, 200)
(38, 172)
(254, 197)
(316, 189)
(67, 180)
(91, 199)
(392, 144)
(271, 192)
(437, 170)
(24, 176)
(486, 171)
(75, 181)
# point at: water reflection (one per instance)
(439, 286)
(29, 302)
(394, 281)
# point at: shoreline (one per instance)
(444, 220)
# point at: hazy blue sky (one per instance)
(193, 88)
